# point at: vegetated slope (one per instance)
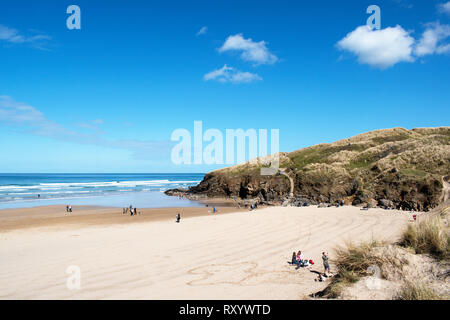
(392, 167)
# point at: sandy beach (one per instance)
(240, 255)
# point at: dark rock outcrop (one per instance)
(392, 168)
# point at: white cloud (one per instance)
(19, 113)
(380, 48)
(256, 52)
(13, 36)
(230, 74)
(32, 121)
(444, 7)
(443, 49)
(203, 30)
(430, 42)
(94, 125)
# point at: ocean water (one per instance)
(114, 190)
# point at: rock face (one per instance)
(391, 168)
(266, 188)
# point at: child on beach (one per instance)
(326, 265)
(299, 260)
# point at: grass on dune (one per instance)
(352, 263)
(416, 291)
(429, 236)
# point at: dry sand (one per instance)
(242, 255)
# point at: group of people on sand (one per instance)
(68, 208)
(300, 262)
(131, 210)
(297, 259)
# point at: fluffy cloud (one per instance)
(431, 40)
(230, 74)
(380, 48)
(444, 7)
(202, 31)
(13, 36)
(256, 52)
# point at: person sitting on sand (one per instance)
(299, 262)
(326, 265)
(320, 278)
(294, 258)
(299, 256)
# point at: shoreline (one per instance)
(55, 216)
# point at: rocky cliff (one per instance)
(396, 168)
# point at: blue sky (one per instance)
(106, 98)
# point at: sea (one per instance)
(144, 190)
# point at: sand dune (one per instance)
(233, 256)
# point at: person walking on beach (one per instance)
(178, 217)
(326, 265)
(135, 211)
